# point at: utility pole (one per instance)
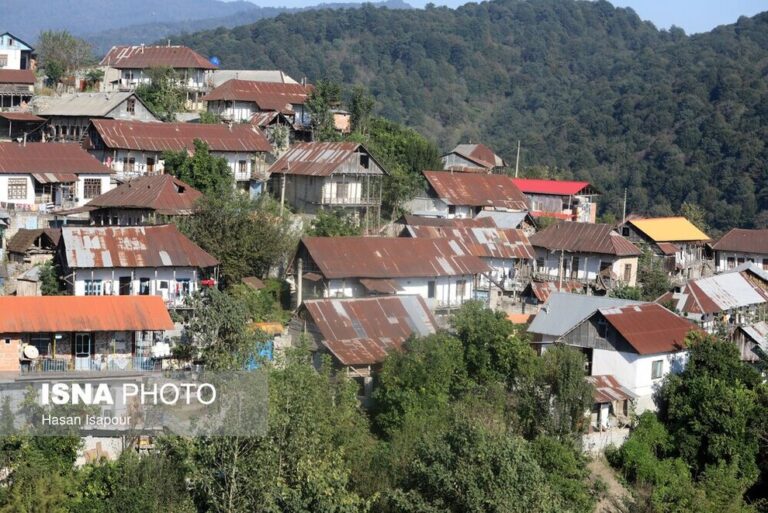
(517, 160)
(282, 194)
(624, 214)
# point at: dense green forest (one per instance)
(591, 90)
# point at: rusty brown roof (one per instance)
(743, 241)
(24, 238)
(543, 289)
(21, 116)
(52, 314)
(268, 96)
(608, 389)
(54, 158)
(667, 248)
(584, 238)
(143, 57)
(412, 220)
(391, 257)
(477, 190)
(165, 194)
(131, 246)
(17, 76)
(479, 154)
(487, 242)
(317, 158)
(159, 137)
(363, 331)
(649, 328)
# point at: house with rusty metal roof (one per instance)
(560, 199)
(151, 199)
(68, 333)
(720, 302)
(33, 246)
(752, 341)
(239, 100)
(457, 194)
(612, 406)
(313, 176)
(134, 260)
(507, 252)
(17, 76)
(473, 157)
(443, 272)
(134, 148)
(591, 253)
(359, 333)
(48, 176)
(740, 246)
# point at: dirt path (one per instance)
(615, 490)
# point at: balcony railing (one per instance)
(109, 363)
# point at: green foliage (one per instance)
(627, 292)
(50, 284)
(562, 374)
(325, 96)
(652, 277)
(93, 77)
(162, 95)
(265, 305)
(334, 223)
(566, 467)
(60, 52)
(209, 118)
(203, 171)
(361, 105)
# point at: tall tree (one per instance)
(203, 171)
(325, 96)
(62, 50)
(163, 94)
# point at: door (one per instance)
(150, 165)
(83, 351)
(125, 285)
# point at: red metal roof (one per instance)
(131, 246)
(362, 331)
(743, 241)
(159, 137)
(17, 76)
(584, 238)
(608, 389)
(318, 158)
(391, 257)
(650, 328)
(487, 242)
(477, 190)
(165, 194)
(143, 57)
(268, 96)
(21, 116)
(553, 187)
(61, 314)
(54, 158)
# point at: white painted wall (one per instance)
(110, 278)
(14, 58)
(722, 264)
(588, 265)
(106, 185)
(29, 200)
(115, 160)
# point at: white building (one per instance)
(740, 246)
(138, 260)
(15, 53)
(239, 100)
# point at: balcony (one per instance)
(102, 363)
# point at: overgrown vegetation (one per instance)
(163, 95)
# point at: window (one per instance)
(93, 287)
(575, 267)
(341, 191)
(657, 368)
(182, 286)
(431, 289)
(242, 167)
(3, 61)
(143, 286)
(731, 262)
(91, 187)
(364, 161)
(163, 285)
(627, 273)
(17, 188)
(605, 265)
(765, 264)
(625, 231)
(461, 288)
(128, 164)
(740, 260)
(602, 327)
(130, 105)
(42, 343)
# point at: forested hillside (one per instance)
(592, 91)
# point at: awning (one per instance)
(313, 277)
(380, 286)
(667, 248)
(54, 177)
(21, 116)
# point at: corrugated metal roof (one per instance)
(363, 331)
(543, 289)
(61, 314)
(551, 187)
(318, 158)
(220, 76)
(83, 104)
(650, 328)
(159, 137)
(269, 96)
(584, 238)
(391, 257)
(667, 248)
(143, 57)
(477, 190)
(55, 158)
(131, 246)
(503, 219)
(669, 229)
(480, 154)
(758, 332)
(21, 116)
(715, 294)
(380, 286)
(412, 220)
(17, 76)
(486, 242)
(23, 239)
(608, 389)
(563, 312)
(165, 194)
(743, 241)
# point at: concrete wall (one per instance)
(163, 282)
(586, 268)
(722, 262)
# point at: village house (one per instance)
(17, 87)
(33, 246)
(589, 253)
(636, 343)
(739, 246)
(456, 194)
(20, 126)
(137, 260)
(675, 241)
(510, 220)
(240, 100)
(752, 341)
(15, 54)
(68, 333)
(473, 157)
(560, 199)
(612, 404)
(358, 334)
(507, 252)
(723, 301)
(127, 67)
(327, 175)
(443, 272)
(219, 76)
(69, 116)
(46, 176)
(134, 148)
(151, 199)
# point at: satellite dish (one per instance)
(31, 352)
(215, 61)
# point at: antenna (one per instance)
(517, 160)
